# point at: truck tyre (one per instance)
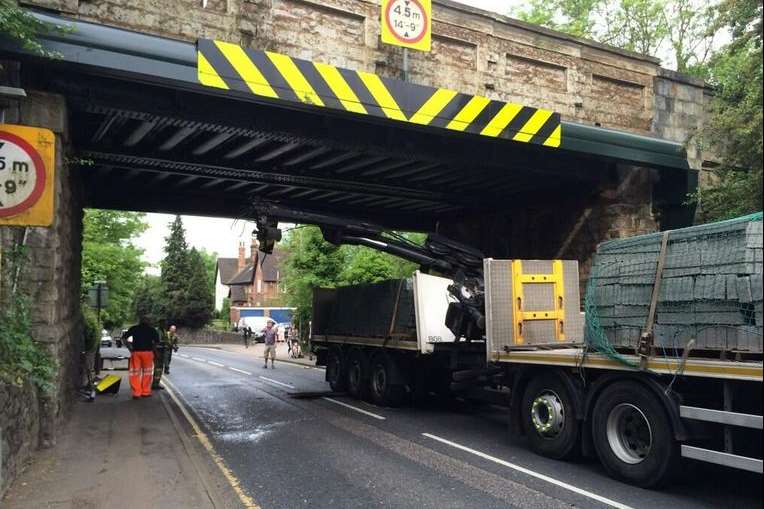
(633, 435)
(335, 374)
(548, 415)
(383, 392)
(357, 374)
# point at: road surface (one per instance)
(338, 452)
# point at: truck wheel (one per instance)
(549, 418)
(633, 435)
(356, 375)
(382, 391)
(334, 371)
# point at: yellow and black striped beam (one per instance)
(276, 76)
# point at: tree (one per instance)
(19, 25)
(199, 300)
(310, 262)
(683, 29)
(210, 265)
(109, 254)
(175, 272)
(149, 300)
(734, 129)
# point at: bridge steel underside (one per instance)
(151, 138)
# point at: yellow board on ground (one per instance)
(407, 23)
(27, 159)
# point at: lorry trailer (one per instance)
(639, 408)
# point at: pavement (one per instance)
(118, 452)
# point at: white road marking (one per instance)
(561, 484)
(271, 380)
(239, 371)
(199, 359)
(183, 355)
(381, 418)
(216, 364)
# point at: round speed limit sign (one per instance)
(406, 23)
(23, 175)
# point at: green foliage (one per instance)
(90, 334)
(24, 28)
(225, 310)
(734, 129)
(175, 270)
(148, 300)
(312, 262)
(199, 298)
(185, 296)
(210, 265)
(683, 28)
(21, 358)
(109, 254)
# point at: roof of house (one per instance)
(244, 277)
(227, 267)
(271, 265)
(238, 294)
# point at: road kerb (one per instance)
(245, 499)
(200, 471)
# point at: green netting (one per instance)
(710, 295)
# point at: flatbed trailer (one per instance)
(640, 421)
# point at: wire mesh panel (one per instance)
(710, 289)
(531, 304)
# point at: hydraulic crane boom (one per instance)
(459, 262)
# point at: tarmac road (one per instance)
(340, 452)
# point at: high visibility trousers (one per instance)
(141, 371)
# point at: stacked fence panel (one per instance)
(710, 289)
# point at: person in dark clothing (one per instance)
(141, 364)
(247, 335)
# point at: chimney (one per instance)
(242, 260)
(253, 250)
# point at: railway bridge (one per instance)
(519, 140)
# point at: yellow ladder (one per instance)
(520, 315)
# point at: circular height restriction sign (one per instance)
(407, 23)
(26, 160)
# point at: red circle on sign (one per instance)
(39, 167)
(392, 30)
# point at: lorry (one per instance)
(640, 380)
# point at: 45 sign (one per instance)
(407, 23)
(26, 175)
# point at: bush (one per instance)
(90, 333)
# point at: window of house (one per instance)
(259, 286)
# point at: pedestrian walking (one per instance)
(270, 333)
(141, 363)
(171, 345)
(247, 334)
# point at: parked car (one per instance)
(106, 339)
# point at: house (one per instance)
(248, 280)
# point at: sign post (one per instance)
(407, 23)
(27, 156)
